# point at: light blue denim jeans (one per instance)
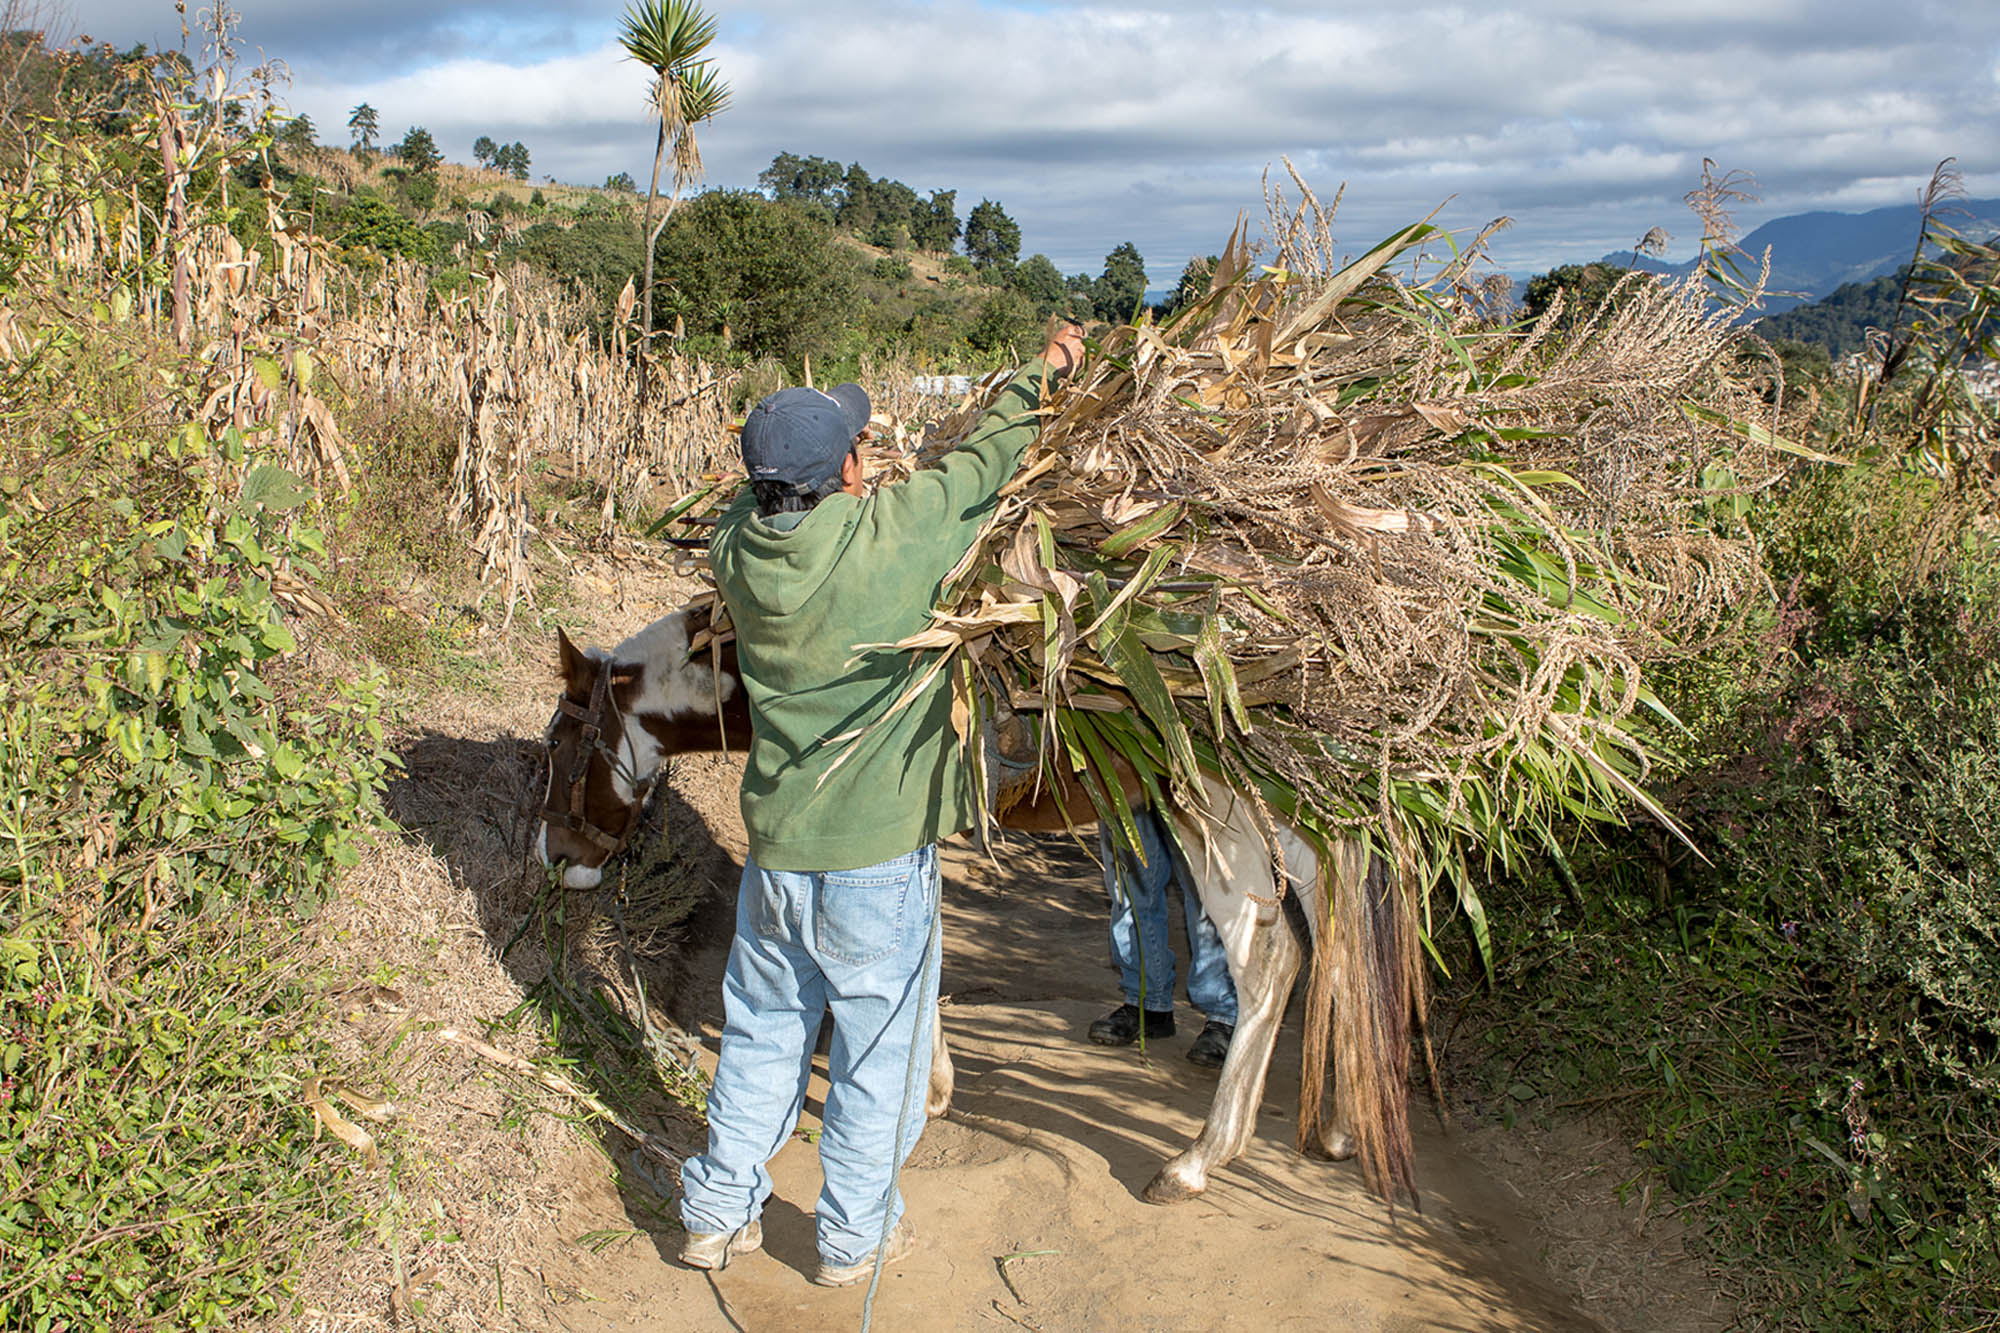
(851, 942)
(1139, 940)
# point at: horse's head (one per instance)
(621, 715)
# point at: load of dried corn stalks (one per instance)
(1393, 567)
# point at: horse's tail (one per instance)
(1367, 982)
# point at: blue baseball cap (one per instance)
(801, 436)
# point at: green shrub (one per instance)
(770, 272)
(420, 190)
(1005, 321)
(1805, 1030)
(891, 269)
(889, 236)
(370, 221)
(176, 791)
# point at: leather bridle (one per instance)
(590, 741)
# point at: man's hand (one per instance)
(1065, 348)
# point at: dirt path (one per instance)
(1044, 1154)
(1026, 1198)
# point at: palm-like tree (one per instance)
(668, 37)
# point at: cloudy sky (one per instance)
(1095, 122)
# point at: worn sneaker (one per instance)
(713, 1250)
(901, 1241)
(1120, 1027)
(1211, 1048)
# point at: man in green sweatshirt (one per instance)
(855, 772)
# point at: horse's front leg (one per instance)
(1263, 984)
(938, 1099)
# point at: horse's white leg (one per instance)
(1232, 869)
(938, 1100)
(1262, 986)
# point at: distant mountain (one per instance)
(1815, 253)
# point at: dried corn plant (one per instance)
(505, 357)
(87, 243)
(1393, 568)
(526, 386)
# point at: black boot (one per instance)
(1120, 1027)
(1211, 1048)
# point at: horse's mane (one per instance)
(676, 684)
(665, 640)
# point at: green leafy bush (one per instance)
(372, 221)
(420, 190)
(767, 271)
(1805, 1031)
(177, 791)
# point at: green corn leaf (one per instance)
(1097, 777)
(1116, 731)
(1756, 434)
(679, 508)
(1141, 531)
(1219, 674)
(1475, 914)
(1141, 677)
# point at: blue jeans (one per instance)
(852, 942)
(1139, 941)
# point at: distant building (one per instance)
(955, 386)
(1982, 380)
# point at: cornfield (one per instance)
(272, 322)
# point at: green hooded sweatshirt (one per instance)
(804, 595)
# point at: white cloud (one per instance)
(1096, 123)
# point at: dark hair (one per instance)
(781, 497)
(787, 497)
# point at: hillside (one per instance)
(1814, 254)
(1839, 322)
(311, 455)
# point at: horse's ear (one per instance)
(571, 661)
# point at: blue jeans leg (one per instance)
(772, 1000)
(883, 998)
(1139, 940)
(853, 942)
(1210, 986)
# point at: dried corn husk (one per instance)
(1393, 568)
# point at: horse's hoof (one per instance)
(936, 1108)
(1169, 1187)
(1336, 1147)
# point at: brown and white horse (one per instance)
(624, 713)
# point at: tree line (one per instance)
(418, 149)
(890, 215)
